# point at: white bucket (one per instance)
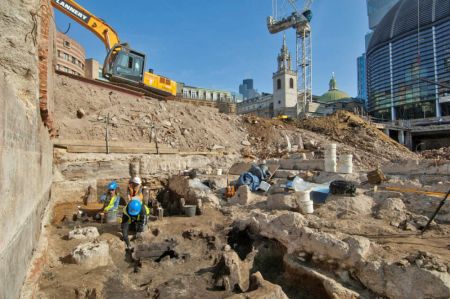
(348, 157)
(219, 171)
(345, 164)
(307, 207)
(331, 146)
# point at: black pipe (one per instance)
(435, 212)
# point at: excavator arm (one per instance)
(122, 65)
(94, 24)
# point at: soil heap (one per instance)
(348, 128)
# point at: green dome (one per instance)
(333, 94)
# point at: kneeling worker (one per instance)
(111, 199)
(134, 214)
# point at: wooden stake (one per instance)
(107, 134)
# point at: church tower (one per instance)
(285, 85)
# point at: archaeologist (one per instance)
(135, 217)
(111, 198)
(135, 189)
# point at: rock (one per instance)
(332, 288)
(233, 273)
(381, 196)
(404, 280)
(393, 204)
(92, 254)
(393, 209)
(216, 147)
(344, 206)
(260, 288)
(290, 229)
(246, 143)
(83, 233)
(282, 201)
(166, 123)
(192, 190)
(184, 131)
(83, 292)
(81, 113)
(359, 248)
(243, 196)
(288, 143)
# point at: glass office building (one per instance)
(362, 78)
(376, 9)
(404, 60)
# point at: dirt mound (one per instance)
(348, 128)
(179, 125)
(81, 110)
(267, 136)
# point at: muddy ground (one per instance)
(194, 269)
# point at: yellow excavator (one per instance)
(122, 64)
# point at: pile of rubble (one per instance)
(350, 129)
(438, 154)
(196, 128)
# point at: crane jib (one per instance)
(76, 12)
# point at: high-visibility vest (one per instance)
(133, 193)
(138, 216)
(112, 203)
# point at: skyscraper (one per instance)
(362, 77)
(377, 9)
(246, 89)
(400, 57)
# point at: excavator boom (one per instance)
(96, 25)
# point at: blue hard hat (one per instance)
(134, 207)
(112, 186)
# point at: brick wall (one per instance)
(46, 48)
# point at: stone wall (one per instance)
(74, 173)
(25, 147)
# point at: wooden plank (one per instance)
(65, 143)
(118, 150)
(203, 153)
(409, 190)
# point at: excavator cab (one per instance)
(124, 65)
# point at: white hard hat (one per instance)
(136, 180)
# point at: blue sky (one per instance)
(217, 43)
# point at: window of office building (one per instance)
(66, 44)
